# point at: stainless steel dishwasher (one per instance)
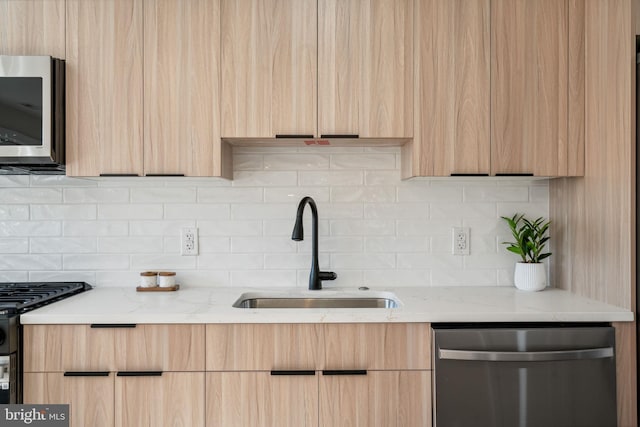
(524, 376)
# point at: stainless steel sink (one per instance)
(305, 301)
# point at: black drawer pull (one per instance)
(112, 325)
(293, 373)
(346, 372)
(469, 174)
(139, 374)
(164, 174)
(339, 136)
(86, 374)
(514, 174)
(293, 136)
(124, 175)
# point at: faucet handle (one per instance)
(327, 275)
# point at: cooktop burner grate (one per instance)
(25, 296)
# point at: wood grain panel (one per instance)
(90, 399)
(173, 399)
(59, 348)
(257, 399)
(452, 99)
(365, 68)
(529, 78)
(576, 114)
(231, 347)
(181, 86)
(593, 218)
(383, 398)
(377, 346)
(35, 27)
(160, 348)
(104, 87)
(269, 66)
(626, 385)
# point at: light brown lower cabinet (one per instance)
(90, 398)
(259, 399)
(172, 399)
(379, 398)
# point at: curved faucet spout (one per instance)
(316, 276)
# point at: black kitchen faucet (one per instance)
(316, 276)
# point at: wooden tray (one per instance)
(158, 289)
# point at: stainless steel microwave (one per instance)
(32, 116)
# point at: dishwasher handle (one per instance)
(526, 356)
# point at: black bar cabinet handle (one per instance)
(345, 372)
(119, 174)
(139, 374)
(293, 136)
(164, 174)
(86, 374)
(469, 174)
(514, 174)
(112, 325)
(340, 135)
(293, 373)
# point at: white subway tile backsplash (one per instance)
(140, 211)
(95, 228)
(95, 195)
(95, 262)
(375, 230)
(30, 262)
(66, 212)
(230, 195)
(14, 212)
(363, 194)
(30, 195)
(332, 178)
(303, 161)
(30, 228)
(363, 161)
(163, 195)
(62, 245)
(197, 211)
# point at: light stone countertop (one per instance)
(429, 304)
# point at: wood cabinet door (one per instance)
(529, 87)
(452, 63)
(90, 398)
(104, 87)
(34, 27)
(377, 399)
(378, 346)
(365, 68)
(172, 399)
(181, 87)
(269, 66)
(263, 347)
(160, 348)
(259, 399)
(59, 348)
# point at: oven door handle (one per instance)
(526, 356)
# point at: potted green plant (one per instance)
(530, 239)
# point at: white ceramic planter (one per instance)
(530, 277)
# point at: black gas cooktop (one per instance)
(18, 298)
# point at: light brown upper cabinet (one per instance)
(104, 87)
(365, 68)
(451, 133)
(269, 65)
(33, 27)
(181, 87)
(530, 101)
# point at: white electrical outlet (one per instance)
(460, 240)
(189, 241)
